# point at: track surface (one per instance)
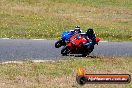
(20, 49)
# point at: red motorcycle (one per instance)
(76, 46)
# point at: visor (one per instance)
(77, 28)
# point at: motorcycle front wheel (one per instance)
(87, 51)
(91, 49)
(58, 44)
(65, 50)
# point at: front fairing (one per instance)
(67, 35)
(77, 40)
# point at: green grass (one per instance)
(111, 19)
(62, 74)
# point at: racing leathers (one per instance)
(91, 40)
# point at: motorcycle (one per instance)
(64, 39)
(76, 46)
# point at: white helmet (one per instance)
(77, 29)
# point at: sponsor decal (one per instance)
(83, 78)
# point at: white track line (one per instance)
(41, 39)
(20, 62)
(4, 38)
(15, 62)
(38, 39)
(103, 41)
(34, 61)
(27, 39)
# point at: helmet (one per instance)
(77, 29)
(90, 32)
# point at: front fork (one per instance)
(63, 42)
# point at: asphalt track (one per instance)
(21, 49)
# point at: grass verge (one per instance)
(111, 19)
(61, 74)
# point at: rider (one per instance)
(76, 30)
(91, 37)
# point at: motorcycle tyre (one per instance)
(58, 44)
(65, 50)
